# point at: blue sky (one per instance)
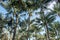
(2, 10)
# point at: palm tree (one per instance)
(46, 20)
(56, 28)
(13, 5)
(41, 2)
(23, 6)
(57, 8)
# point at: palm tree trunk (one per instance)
(14, 33)
(26, 36)
(0, 31)
(56, 32)
(47, 32)
(28, 25)
(45, 23)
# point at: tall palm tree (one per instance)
(39, 5)
(46, 20)
(23, 6)
(13, 5)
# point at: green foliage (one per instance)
(26, 28)
(57, 8)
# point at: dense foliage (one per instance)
(20, 21)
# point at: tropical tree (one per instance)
(46, 19)
(27, 5)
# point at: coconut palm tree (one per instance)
(24, 5)
(46, 19)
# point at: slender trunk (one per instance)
(1, 29)
(47, 32)
(45, 23)
(14, 33)
(56, 32)
(27, 36)
(28, 24)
